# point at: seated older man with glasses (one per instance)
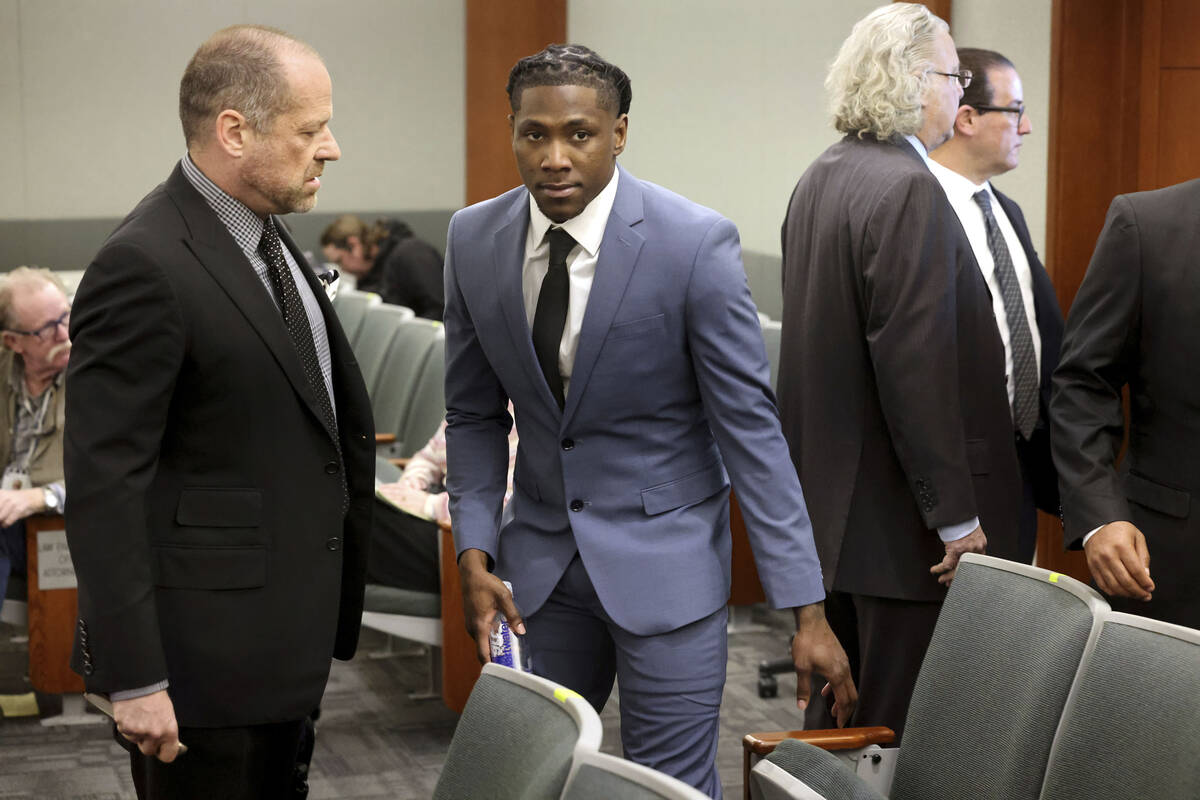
(34, 313)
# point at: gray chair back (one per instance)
(516, 738)
(598, 776)
(379, 328)
(427, 403)
(351, 308)
(772, 331)
(796, 769)
(399, 373)
(993, 683)
(1131, 724)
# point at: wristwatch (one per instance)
(50, 499)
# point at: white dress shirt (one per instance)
(587, 229)
(961, 191)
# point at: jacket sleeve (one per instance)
(128, 344)
(731, 368)
(1099, 352)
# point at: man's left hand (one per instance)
(17, 504)
(815, 648)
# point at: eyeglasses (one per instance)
(962, 76)
(48, 331)
(1018, 109)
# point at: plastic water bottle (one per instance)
(508, 647)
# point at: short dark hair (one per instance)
(238, 68)
(571, 65)
(979, 61)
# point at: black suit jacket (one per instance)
(408, 272)
(1035, 455)
(891, 384)
(1134, 323)
(205, 518)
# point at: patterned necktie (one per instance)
(296, 320)
(1024, 360)
(551, 315)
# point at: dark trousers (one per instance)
(404, 551)
(885, 640)
(251, 763)
(12, 554)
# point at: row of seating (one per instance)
(522, 737)
(1031, 689)
(402, 359)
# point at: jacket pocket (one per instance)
(220, 508)
(638, 327)
(1153, 495)
(684, 491)
(213, 568)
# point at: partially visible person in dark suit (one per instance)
(988, 131)
(34, 313)
(1134, 324)
(219, 444)
(891, 382)
(389, 259)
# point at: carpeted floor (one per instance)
(372, 741)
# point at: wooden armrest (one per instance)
(399, 462)
(385, 438)
(761, 744)
(830, 739)
(445, 525)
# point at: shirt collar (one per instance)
(959, 188)
(243, 224)
(586, 227)
(920, 148)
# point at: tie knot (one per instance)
(270, 244)
(561, 243)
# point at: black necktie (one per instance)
(296, 320)
(551, 314)
(1020, 339)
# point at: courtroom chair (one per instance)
(15, 609)
(379, 328)
(427, 402)
(1004, 654)
(517, 738)
(598, 776)
(1131, 725)
(398, 375)
(351, 308)
(772, 331)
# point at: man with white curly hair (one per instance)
(891, 384)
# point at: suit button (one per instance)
(577, 505)
(333, 544)
(568, 444)
(331, 468)
(88, 669)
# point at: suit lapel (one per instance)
(216, 250)
(619, 252)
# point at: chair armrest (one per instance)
(761, 744)
(385, 438)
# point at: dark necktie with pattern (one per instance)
(296, 320)
(551, 315)
(1020, 339)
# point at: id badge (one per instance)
(15, 479)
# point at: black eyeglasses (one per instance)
(962, 76)
(1018, 109)
(48, 331)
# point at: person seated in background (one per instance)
(34, 311)
(388, 259)
(404, 550)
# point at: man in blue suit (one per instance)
(616, 317)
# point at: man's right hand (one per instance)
(149, 722)
(483, 596)
(1120, 561)
(973, 542)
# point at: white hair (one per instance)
(879, 76)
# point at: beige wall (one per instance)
(89, 88)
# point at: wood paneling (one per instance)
(497, 36)
(1178, 123)
(1179, 29)
(52, 616)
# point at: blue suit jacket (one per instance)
(669, 398)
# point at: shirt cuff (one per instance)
(60, 492)
(952, 533)
(130, 694)
(1092, 532)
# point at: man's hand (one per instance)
(973, 542)
(17, 504)
(149, 722)
(483, 595)
(1119, 561)
(815, 648)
